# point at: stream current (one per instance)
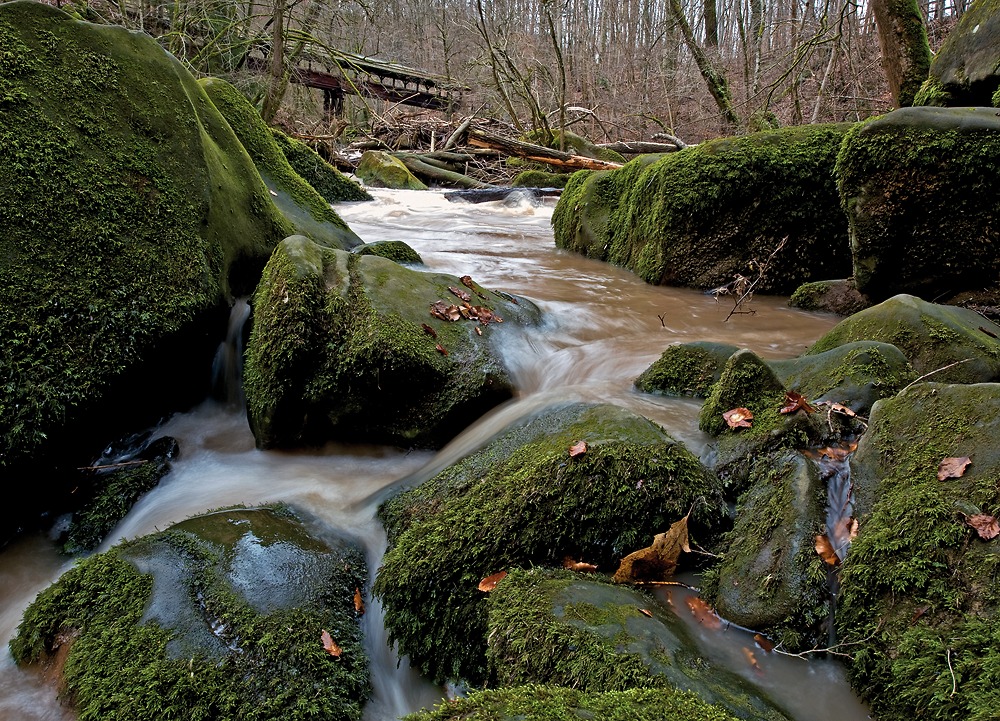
(603, 326)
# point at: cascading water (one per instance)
(602, 329)
(227, 369)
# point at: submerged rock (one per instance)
(702, 215)
(831, 296)
(221, 616)
(308, 211)
(381, 170)
(334, 186)
(931, 336)
(524, 500)
(339, 351)
(922, 218)
(558, 628)
(918, 599)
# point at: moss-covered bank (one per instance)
(329, 182)
(523, 500)
(919, 589)
(699, 216)
(219, 617)
(338, 351)
(916, 186)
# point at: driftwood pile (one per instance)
(469, 153)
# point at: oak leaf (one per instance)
(329, 645)
(458, 292)
(490, 582)
(825, 550)
(738, 418)
(577, 449)
(952, 468)
(986, 525)
(359, 604)
(658, 561)
(795, 402)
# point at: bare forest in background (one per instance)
(607, 69)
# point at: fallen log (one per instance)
(640, 147)
(440, 175)
(537, 153)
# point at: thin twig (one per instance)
(942, 368)
(747, 294)
(830, 649)
(666, 583)
(112, 465)
(954, 681)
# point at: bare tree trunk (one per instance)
(276, 68)
(711, 24)
(906, 56)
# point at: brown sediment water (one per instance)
(603, 326)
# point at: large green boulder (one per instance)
(701, 216)
(219, 617)
(956, 344)
(559, 628)
(686, 369)
(308, 211)
(524, 500)
(922, 210)
(381, 170)
(920, 601)
(130, 213)
(966, 69)
(339, 350)
(329, 182)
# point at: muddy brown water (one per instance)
(603, 326)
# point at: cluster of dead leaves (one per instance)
(794, 402)
(451, 313)
(985, 525)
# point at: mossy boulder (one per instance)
(931, 336)
(219, 617)
(966, 69)
(334, 186)
(686, 369)
(831, 296)
(545, 703)
(770, 577)
(338, 350)
(309, 212)
(919, 593)
(922, 211)
(395, 250)
(700, 216)
(540, 179)
(560, 628)
(522, 500)
(131, 213)
(381, 170)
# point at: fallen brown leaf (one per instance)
(986, 525)
(646, 612)
(440, 309)
(796, 402)
(329, 645)
(479, 331)
(952, 468)
(765, 643)
(843, 410)
(852, 528)
(581, 566)
(825, 550)
(577, 449)
(738, 417)
(467, 282)
(703, 613)
(751, 658)
(490, 582)
(458, 292)
(359, 604)
(658, 561)
(441, 349)
(429, 331)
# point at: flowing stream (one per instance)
(603, 327)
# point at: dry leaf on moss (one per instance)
(986, 525)
(490, 582)
(577, 449)
(329, 645)
(581, 566)
(952, 467)
(795, 402)
(359, 604)
(658, 561)
(738, 418)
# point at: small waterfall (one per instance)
(227, 369)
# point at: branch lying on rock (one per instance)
(638, 147)
(537, 153)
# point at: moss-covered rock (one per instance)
(699, 216)
(831, 296)
(395, 250)
(575, 144)
(307, 210)
(919, 591)
(686, 369)
(966, 69)
(556, 627)
(381, 170)
(338, 350)
(523, 500)
(329, 182)
(922, 213)
(540, 179)
(770, 577)
(219, 617)
(546, 703)
(931, 336)
(130, 213)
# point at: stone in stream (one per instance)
(700, 216)
(830, 296)
(339, 351)
(220, 616)
(381, 170)
(560, 628)
(395, 250)
(521, 501)
(923, 213)
(919, 609)
(334, 186)
(686, 369)
(131, 216)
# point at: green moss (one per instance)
(395, 250)
(686, 369)
(381, 170)
(547, 703)
(133, 655)
(130, 212)
(919, 589)
(921, 215)
(933, 92)
(323, 177)
(696, 217)
(305, 208)
(523, 500)
(540, 179)
(573, 143)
